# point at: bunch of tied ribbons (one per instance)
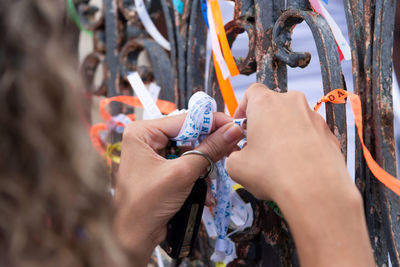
(230, 211)
(99, 133)
(224, 61)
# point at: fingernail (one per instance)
(233, 133)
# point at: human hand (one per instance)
(151, 189)
(287, 144)
(292, 158)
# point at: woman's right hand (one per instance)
(288, 146)
(292, 157)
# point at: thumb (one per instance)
(222, 141)
(234, 166)
(215, 146)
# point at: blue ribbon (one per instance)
(195, 128)
(203, 4)
(178, 4)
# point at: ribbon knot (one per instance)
(198, 122)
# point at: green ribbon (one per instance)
(275, 208)
(75, 17)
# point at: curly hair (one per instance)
(55, 208)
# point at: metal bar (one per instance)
(119, 35)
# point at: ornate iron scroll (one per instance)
(119, 37)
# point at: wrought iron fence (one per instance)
(119, 37)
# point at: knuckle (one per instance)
(297, 95)
(231, 163)
(319, 120)
(354, 199)
(254, 87)
(212, 148)
(257, 89)
(298, 99)
(131, 130)
(264, 97)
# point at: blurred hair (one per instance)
(55, 208)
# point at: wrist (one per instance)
(327, 225)
(133, 236)
(138, 248)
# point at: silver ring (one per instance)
(204, 155)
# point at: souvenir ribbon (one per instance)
(226, 90)
(118, 122)
(110, 152)
(224, 67)
(208, 222)
(98, 132)
(216, 15)
(242, 213)
(179, 5)
(215, 44)
(338, 96)
(75, 17)
(196, 127)
(343, 46)
(224, 247)
(198, 121)
(149, 25)
(166, 107)
(203, 4)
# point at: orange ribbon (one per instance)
(226, 50)
(95, 138)
(165, 107)
(226, 89)
(338, 96)
(225, 85)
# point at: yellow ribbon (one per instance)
(109, 152)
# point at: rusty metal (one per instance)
(119, 37)
(371, 35)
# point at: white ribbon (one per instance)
(199, 119)
(242, 213)
(144, 96)
(216, 48)
(337, 33)
(149, 25)
(197, 126)
(154, 91)
(208, 222)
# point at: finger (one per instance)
(214, 146)
(222, 141)
(234, 149)
(322, 126)
(171, 126)
(255, 91)
(234, 166)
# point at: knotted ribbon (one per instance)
(196, 127)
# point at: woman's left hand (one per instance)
(151, 189)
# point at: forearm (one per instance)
(133, 233)
(329, 226)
